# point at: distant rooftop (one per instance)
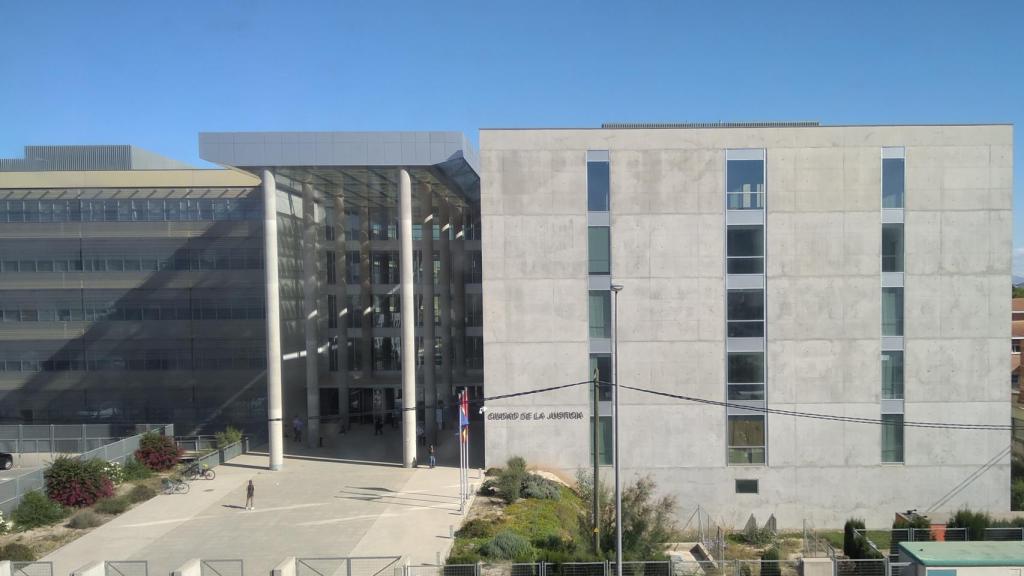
(986, 553)
(89, 157)
(654, 125)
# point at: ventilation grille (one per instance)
(655, 125)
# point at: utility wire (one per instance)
(766, 410)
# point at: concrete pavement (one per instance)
(343, 500)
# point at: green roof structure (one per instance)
(965, 553)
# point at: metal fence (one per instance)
(196, 443)
(13, 489)
(126, 568)
(1004, 534)
(64, 438)
(350, 566)
(218, 457)
(900, 569)
(231, 567)
(766, 567)
(860, 567)
(31, 568)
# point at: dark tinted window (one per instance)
(892, 182)
(598, 185)
(746, 486)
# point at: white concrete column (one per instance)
(459, 294)
(275, 428)
(341, 293)
(408, 320)
(444, 294)
(309, 309)
(427, 290)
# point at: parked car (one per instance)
(6, 461)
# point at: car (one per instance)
(6, 461)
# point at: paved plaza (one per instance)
(350, 499)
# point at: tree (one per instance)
(647, 520)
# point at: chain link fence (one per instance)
(31, 568)
(65, 438)
(860, 567)
(230, 567)
(126, 568)
(351, 566)
(1004, 534)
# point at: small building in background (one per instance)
(962, 558)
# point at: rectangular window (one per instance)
(332, 311)
(332, 354)
(892, 375)
(604, 439)
(892, 311)
(600, 314)
(746, 439)
(892, 437)
(602, 363)
(598, 186)
(892, 247)
(746, 486)
(599, 249)
(745, 313)
(745, 184)
(746, 367)
(892, 182)
(332, 268)
(745, 252)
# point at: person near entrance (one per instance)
(297, 429)
(433, 456)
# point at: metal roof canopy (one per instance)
(979, 553)
(338, 160)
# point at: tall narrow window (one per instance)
(745, 184)
(892, 375)
(892, 182)
(892, 311)
(892, 247)
(892, 438)
(600, 314)
(745, 313)
(604, 439)
(598, 185)
(332, 268)
(332, 311)
(599, 250)
(746, 439)
(602, 363)
(745, 250)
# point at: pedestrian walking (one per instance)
(433, 457)
(378, 426)
(297, 429)
(250, 491)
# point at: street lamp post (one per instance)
(616, 288)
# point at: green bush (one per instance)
(157, 452)
(975, 522)
(115, 472)
(915, 521)
(37, 510)
(16, 553)
(228, 437)
(476, 528)
(853, 545)
(113, 506)
(134, 470)
(508, 545)
(72, 482)
(489, 487)
(84, 519)
(5, 526)
(770, 562)
(510, 480)
(141, 493)
(535, 486)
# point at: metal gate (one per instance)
(32, 568)
(347, 566)
(126, 568)
(221, 568)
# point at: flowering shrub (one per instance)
(5, 526)
(157, 452)
(72, 482)
(115, 472)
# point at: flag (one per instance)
(464, 416)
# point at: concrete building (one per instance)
(855, 271)
(134, 287)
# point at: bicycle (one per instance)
(195, 471)
(175, 486)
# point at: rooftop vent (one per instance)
(655, 125)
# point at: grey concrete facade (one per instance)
(822, 283)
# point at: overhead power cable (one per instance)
(763, 409)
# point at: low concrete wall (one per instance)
(285, 568)
(5, 568)
(189, 568)
(91, 569)
(816, 567)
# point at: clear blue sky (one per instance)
(156, 73)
